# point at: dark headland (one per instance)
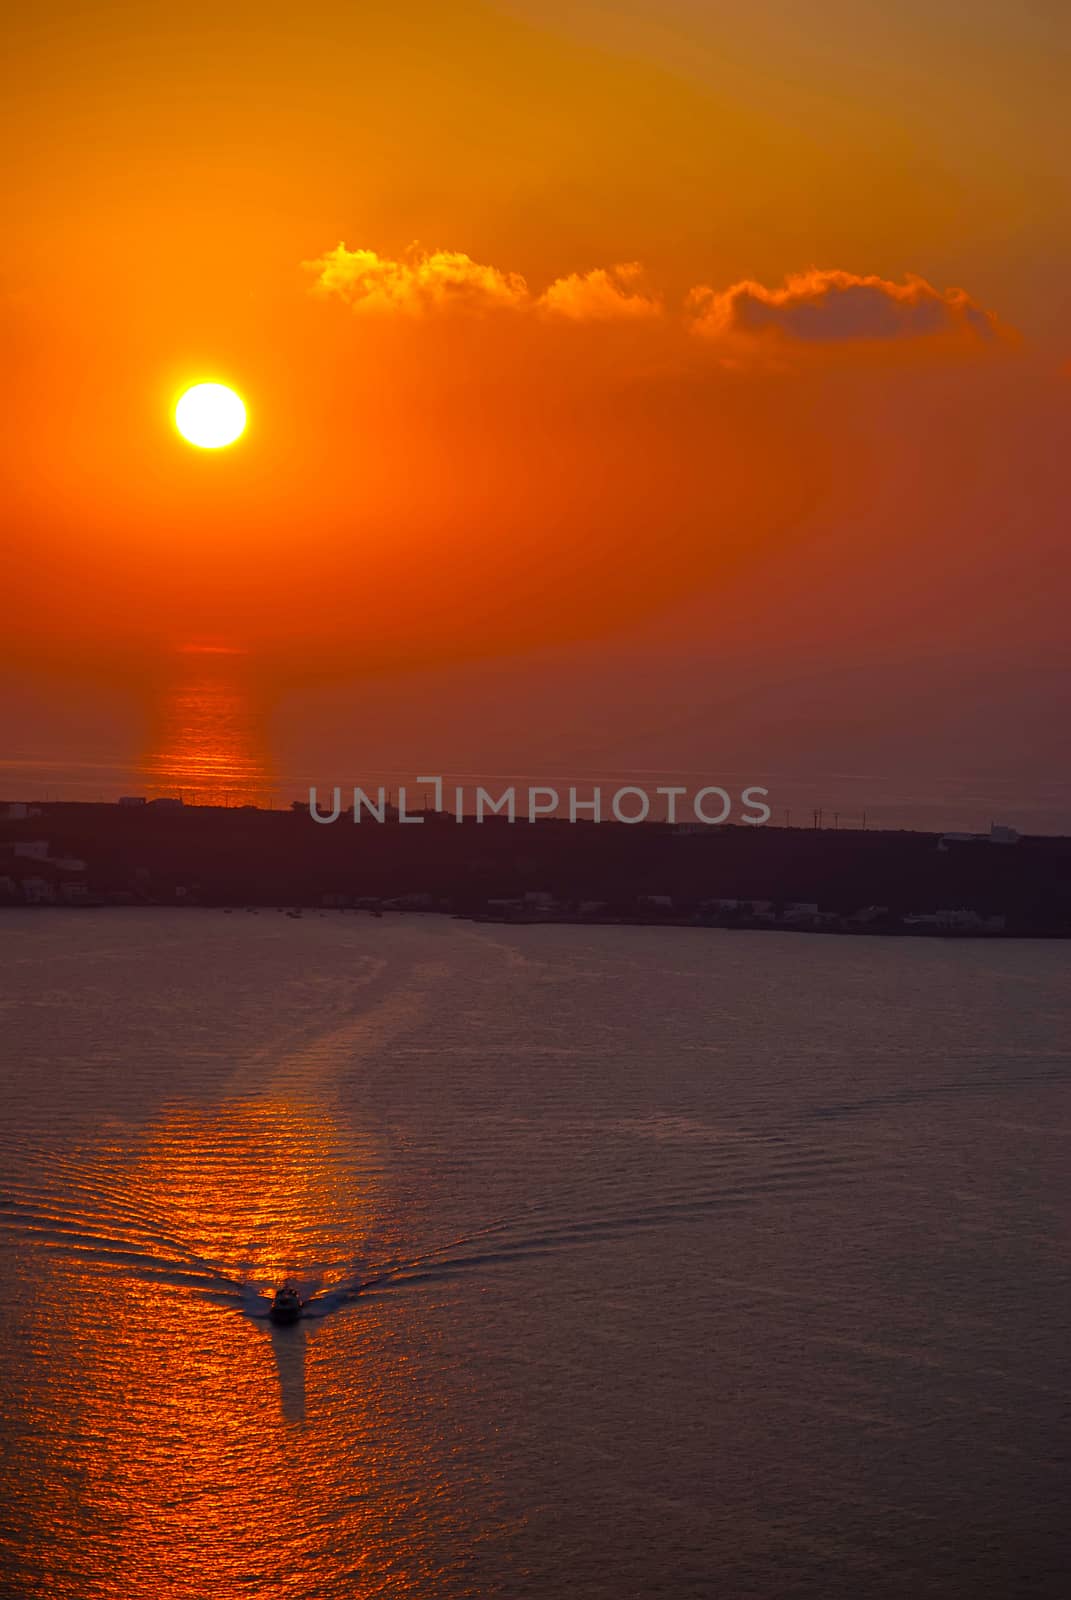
(164, 853)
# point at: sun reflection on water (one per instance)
(211, 1450)
(208, 742)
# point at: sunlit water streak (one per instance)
(209, 739)
(638, 1260)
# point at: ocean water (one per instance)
(708, 1264)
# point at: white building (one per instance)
(37, 891)
(958, 917)
(32, 849)
(869, 914)
(998, 834)
(800, 910)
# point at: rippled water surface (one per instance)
(707, 1264)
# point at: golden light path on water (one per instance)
(210, 1445)
(208, 741)
(210, 1449)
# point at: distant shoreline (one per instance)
(299, 913)
(898, 884)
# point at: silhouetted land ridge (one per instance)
(607, 871)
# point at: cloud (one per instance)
(424, 281)
(821, 307)
(750, 322)
(603, 295)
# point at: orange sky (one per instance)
(676, 331)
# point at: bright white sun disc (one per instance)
(210, 415)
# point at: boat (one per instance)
(286, 1307)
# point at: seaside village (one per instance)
(35, 873)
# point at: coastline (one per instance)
(879, 883)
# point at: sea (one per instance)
(669, 1262)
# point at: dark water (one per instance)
(717, 1264)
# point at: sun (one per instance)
(210, 415)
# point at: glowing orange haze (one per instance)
(611, 395)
